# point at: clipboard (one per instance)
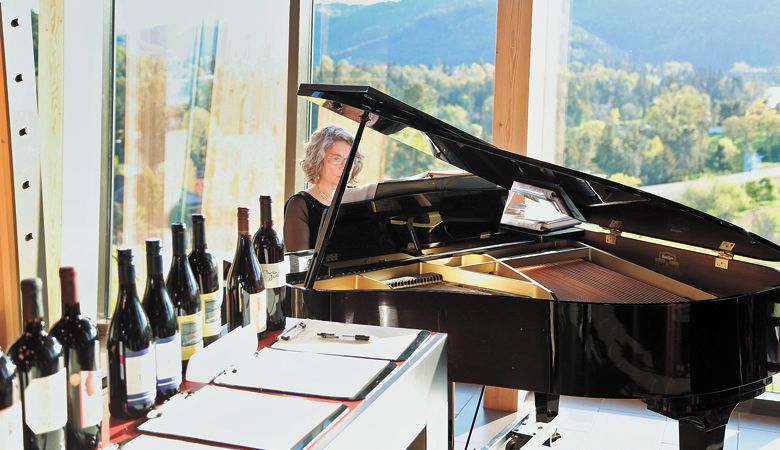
(389, 344)
(242, 418)
(312, 374)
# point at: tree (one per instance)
(725, 156)
(658, 162)
(621, 151)
(723, 200)
(680, 116)
(761, 191)
(581, 143)
(757, 130)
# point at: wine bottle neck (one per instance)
(198, 235)
(243, 221)
(32, 300)
(126, 275)
(154, 265)
(265, 214)
(35, 325)
(178, 241)
(71, 310)
(68, 286)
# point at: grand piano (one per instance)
(548, 279)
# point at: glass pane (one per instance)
(198, 119)
(693, 117)
(435, 55)
(678, 98)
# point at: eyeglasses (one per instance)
(336, 160)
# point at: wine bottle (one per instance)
(185, 296)
(11, 435)
(225, 273)
(245, 283)
(204, 266)
(41, 370)
(131, 364)
(81, 348)
(165, 328)
(270, 254)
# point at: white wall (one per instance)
(82, 153)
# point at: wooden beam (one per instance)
(9, 274)
(51, 85)
(298, 111)
(513, 58)
(510, 115)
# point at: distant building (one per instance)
(772, 96)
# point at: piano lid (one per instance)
(588, 198)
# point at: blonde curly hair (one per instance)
(319, 143)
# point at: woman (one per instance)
(323, 164)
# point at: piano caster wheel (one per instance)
(516, 441)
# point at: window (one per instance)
(435, 55)
(198, 120)
(677, 98)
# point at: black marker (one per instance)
(357, 337)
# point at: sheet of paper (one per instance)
(331, 376)
(243, 418)
(144, 442)
(209, 361)
(384, 343)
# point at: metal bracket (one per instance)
(725, 254)
(614, 231)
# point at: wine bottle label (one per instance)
(211, 305)
(85, 392)
(257, 310)
(46, 403)
(85, 386)
(168, 358)
(274, 275)
(191, 329)
(11, 426)
(140, 376)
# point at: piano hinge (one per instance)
(614, 231)
(725, 254)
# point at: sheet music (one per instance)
(535, 208)
(384, 343)
(315, 374)
(243, 418)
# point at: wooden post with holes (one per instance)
(510, 115)
(19, 169)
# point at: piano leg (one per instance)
(702, 419)
(546, 406)
(705, 430)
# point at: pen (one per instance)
(293, 331)
(357, 337)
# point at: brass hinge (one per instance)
(614, 231)
(725, 254)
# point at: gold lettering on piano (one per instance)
(667, 259)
